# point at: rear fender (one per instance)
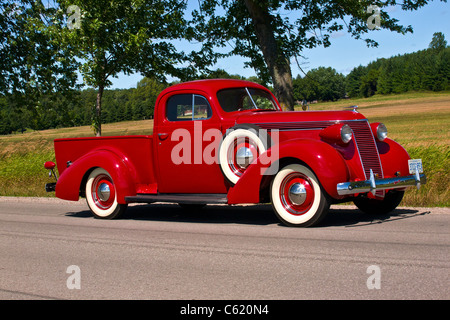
(73, 178)
(326, 162)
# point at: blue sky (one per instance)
(345, 53)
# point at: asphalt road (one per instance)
(50, 249)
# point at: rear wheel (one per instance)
(297, 197)
(101, 195)
(374, 206)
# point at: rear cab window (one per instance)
(187, 107)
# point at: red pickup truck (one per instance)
(229, 142)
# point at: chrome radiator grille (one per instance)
(367, 148)
(364, 139)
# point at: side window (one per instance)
(179, 107)
(201, 108)
(185, 107)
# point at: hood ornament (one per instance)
(354, 108)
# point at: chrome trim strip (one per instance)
(359, 154)
(299, 129)
(378, 153)
(363, 165)
(348, 188)
(303, 125)
(333, 121)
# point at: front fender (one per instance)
(394, 158)
(326, 162)
(69, 183)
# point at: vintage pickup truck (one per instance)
(229, 142)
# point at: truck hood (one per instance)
(283, 117)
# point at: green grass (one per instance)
(23, 174)
(418, 121)
(22, 156)
(436, 163)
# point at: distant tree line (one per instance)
(422, 70)
(425, 70)
(78, 108)
(57, 110)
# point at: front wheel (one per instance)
(374, 206)
(297, 197)
(101, 195)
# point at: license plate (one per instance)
(415, 164)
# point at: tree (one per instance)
(353, 81)
(32, 64)
(221, 74)
(438, 42)
(384, 84)
(272, 32)
(114, 36)
(368, 86)
(323, 84)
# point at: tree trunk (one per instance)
(277, 63)
(98, 112)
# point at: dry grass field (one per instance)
(419, 121)
(415, 119)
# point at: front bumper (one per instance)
(372, 185)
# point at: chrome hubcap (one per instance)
(244, 157)
(297, 194)
(104, 192)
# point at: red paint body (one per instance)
(142, 165)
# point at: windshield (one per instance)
(238, 99)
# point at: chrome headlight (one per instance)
(381, 132)
(337, 133)
(346, 133)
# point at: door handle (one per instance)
(163, 136)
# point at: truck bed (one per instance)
(137, 149)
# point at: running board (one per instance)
(188, 198)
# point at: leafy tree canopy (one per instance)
(32, 62)
(438, 42)
(272, 32)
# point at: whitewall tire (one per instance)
(297, 197)
(241, 145)
(101, 195)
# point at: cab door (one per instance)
(187, 143)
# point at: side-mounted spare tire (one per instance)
(240, 146)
